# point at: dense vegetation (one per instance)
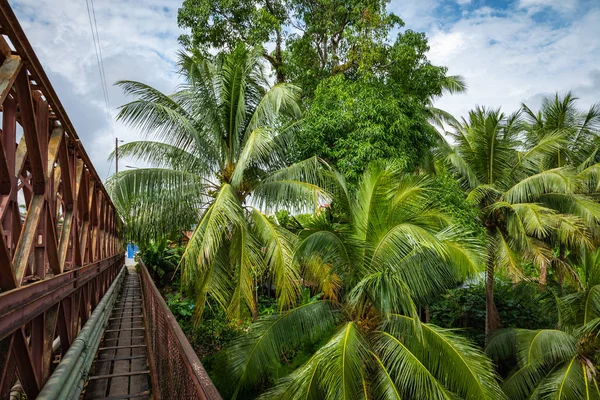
(349, 239)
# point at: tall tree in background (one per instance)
(522, 204)
(559, 116)
(218, 150)
(393, 250)
(311, 39)
(383, 112)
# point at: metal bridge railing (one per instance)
(69, 378)
(176, 370)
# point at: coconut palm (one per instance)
(561, 363)
(217, 149)
(522, 205)
(559, 116)
(380, 253)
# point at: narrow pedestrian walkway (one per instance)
(120, 369)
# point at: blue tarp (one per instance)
(131, 250)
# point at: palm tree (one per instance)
(521, 203)
(559, 363)
(579, 130)
(218, 154)
(380, 253)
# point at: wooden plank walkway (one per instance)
(120, 370)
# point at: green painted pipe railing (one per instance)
(69, 378)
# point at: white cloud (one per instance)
(511, 59)
(560, 5)
(417, 14)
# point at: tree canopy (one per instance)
(351, 123)
(309, 41)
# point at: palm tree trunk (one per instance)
(560, 275)
(543, 274)
(492, 320)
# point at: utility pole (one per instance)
(116, 155)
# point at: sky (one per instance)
(509, 52)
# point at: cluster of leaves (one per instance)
(522, 305)
(311, 39)
(210, 336)
(162, 258)
(446, 192)
(353, 122)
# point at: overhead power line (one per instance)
(100, 61)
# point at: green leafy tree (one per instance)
(311, 39)
(559, 363)
(223, 24)
(218, 152)
(352, 123)
(382, 111)
(392, 250)
(521, 204)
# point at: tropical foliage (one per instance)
(344, 227)
(218, 153)
(392, 250)
(560, 363)
(525, 206)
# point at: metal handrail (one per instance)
(70, 376)
(176, 371)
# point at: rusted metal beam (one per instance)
(8, 74)
(30, 132)
(19, 305)
(27, 374)
(27, 238)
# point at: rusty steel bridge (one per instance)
(74, 321)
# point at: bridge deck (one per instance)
(121, 369)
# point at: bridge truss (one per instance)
(61, 242)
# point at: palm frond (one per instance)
(280, 103)
(531, 188)
(573, 380)
(247, 261)
(406, 370)
(162, 155)
(255, 355)
(450, 358)
(298, 187)
(222, 215)
(279, 246)
(155, 202)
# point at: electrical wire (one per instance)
(98, 50)
(100, 61)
